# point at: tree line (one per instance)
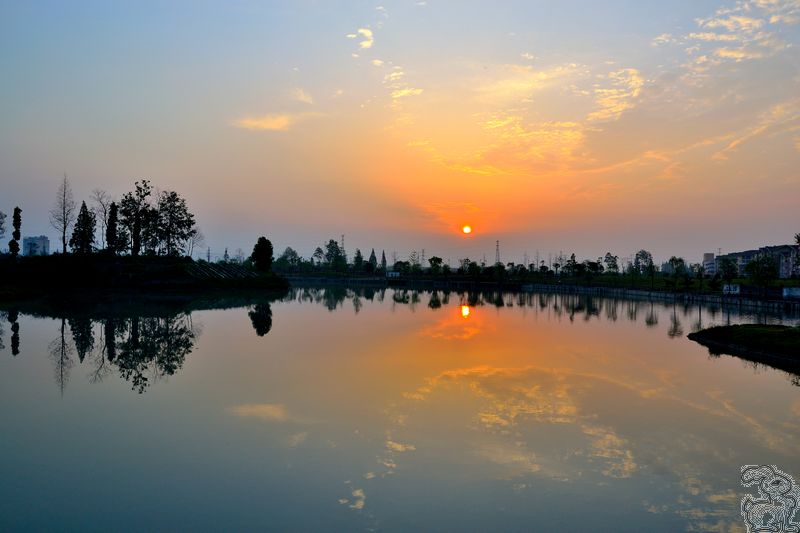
(142, 222)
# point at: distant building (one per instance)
(709, 264)
(785, 257)
(36, 245)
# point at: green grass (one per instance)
(781, 341)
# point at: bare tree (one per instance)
(102, 203)
(62, 215)
(196, 240)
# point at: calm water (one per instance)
(383, 410)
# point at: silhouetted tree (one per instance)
(262, 254)
(383, 260)
(358, 260)
(373, 260)
(102, 205)
(135, 217)
(289, 260)
(175, 224)
(16, 235)
(112, 243)
(2, 224)
(612, 263)
(261, 318)
(61, 353)
(62, 215)
(728, 269)
(762, 270)
(83, 231)
(436, 265)
(334, 256)
(319, 255)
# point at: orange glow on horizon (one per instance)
(465, 311)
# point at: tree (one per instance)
(762, 270)
(262, 254)
(111, 241)
(358, 260)
(373, 260)
(196, 240)
(134, 208)
(2, 224)
(261, 318)
(678, 267)
(700, 274)
(642, 262)
(612, 263)
(383, 260)
(175, 224)
(288, 260)
(318, 255)
(16, 236)
(728, 269)
(436, 264)
(82, 239)
(102, 205)
(334, 256)
(62, 215)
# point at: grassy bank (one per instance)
(777, 346)
(34, 277)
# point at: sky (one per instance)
(574, 126)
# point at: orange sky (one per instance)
(579, 128)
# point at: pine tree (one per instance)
(112, 244)
(16, 236)
(358, 260)
(262, 254)
(383, 260)
(83, 231)
(373, 260)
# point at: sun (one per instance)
(466, 230)
(465, 311)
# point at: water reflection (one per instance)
(141, 344)
(478, 410)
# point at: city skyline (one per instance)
(579, 128)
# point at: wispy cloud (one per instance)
(301, 95)
(368, 38)
(273, 122)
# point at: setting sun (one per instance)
(466, 230)
(465, 311)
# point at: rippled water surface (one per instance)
(384, 410)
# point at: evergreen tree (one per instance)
(383, 260)
(262, 254)
(358, 260)
(112, 244)
(373, 260)
(82, 239)
(16, 236)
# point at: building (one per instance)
(786, 257)
(709, 264)
(36, 245)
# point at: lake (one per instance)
(350, 410)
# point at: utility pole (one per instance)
(497, 252)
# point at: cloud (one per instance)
(271, 412)
(273, 122)
(368, 38)
(664, 38)
(301, 95)
(407, 91)
(517, 82)
(399, 447)
(626, 87)
(377, 62)
(711, 36)
(528, 56)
